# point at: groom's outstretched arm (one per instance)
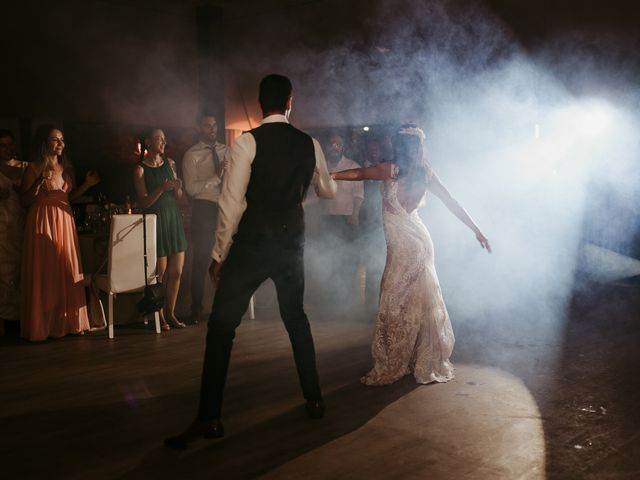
(323, 184)
(232, 202)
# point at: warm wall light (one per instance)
(242, 125)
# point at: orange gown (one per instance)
(53, 296)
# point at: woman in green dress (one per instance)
(159, 189)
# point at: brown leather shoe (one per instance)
(198, 429)
(315, 408)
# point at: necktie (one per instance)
(216, 159)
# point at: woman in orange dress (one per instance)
(53, 297)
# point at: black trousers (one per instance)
(280, 258)
(204, 216)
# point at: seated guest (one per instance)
(158, 188)
(202, 166)
(53, 296)
(11, 226)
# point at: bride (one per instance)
(413, 333)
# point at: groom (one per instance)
(269, 170)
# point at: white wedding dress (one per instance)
(413, 333)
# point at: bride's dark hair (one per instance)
(409, 156)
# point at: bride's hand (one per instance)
(484, 243)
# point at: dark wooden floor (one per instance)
(86, 407)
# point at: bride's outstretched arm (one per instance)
(439, 190)
(382, 171)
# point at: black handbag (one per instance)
(154, 295)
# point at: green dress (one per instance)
(170, 231)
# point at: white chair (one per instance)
(125, 270)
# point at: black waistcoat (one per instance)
(280, 176)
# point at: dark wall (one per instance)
(106, 71)
(95, 60)
(356, 62)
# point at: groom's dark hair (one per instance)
(275, 90)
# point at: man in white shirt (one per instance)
(260, 235)
(346, 204)
(339, 228)
(202, 169)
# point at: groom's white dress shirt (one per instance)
(232, 202)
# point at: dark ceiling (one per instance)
(530, 19)
(533, 20)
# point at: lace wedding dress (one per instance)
(413, 333)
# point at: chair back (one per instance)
(126, 252)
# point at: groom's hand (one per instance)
(214, 272)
